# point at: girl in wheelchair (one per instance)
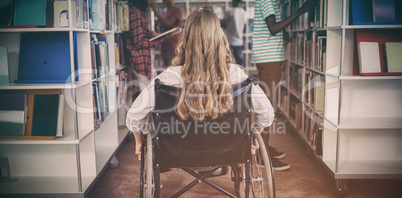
(203, 68)
(204, 72)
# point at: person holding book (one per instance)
(268, 53)
(204, 71)
(138, 43)
(172, 18)
(139, 46)
(234, 24)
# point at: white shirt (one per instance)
(145, 102)
(235, 21)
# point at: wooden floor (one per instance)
(306, 177)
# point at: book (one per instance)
(393, 53)
(384, 11)
(96, 20)
(38, 12)
(369, 57)
(124, 16)
(44, 58)
(319, 93)
(45, 114)
(4, 76)
(173, 30)
(13, 114)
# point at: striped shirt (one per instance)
(266, 48)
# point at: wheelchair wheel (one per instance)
(261, 183)
(147, 180)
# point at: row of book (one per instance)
(312, 129)
(314, 94)
(121, 89)
(99, 55)
(295, 78)
(283, 101)
(100, 14)
(309, 49)
(296, 111)
(100, 101)
(35, 114)
(315, 19)
(93, 14)
(122, 16)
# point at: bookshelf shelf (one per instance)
(360, 131)
(18, 30)
(362, 169)
(315, 71)
(39, 185)
(68, 164)
(66, 139)
(370, 123)
(370, 77)
(371, 26)
(22, 86)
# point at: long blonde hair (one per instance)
(205, 55)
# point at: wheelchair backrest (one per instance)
(194, 143)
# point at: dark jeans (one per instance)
(237, 52)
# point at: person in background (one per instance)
(172, 18)
(268, 54)
(139, 46)
(234, 24)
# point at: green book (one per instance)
(393, 52)
(33, 12)
(45, 115)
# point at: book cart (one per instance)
(350, 121)
(67, 165)
(219, 7)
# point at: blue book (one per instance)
(13, 114)
(387, 11)
(44, 58)
(376, 12)
(362, 12)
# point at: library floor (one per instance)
(306, 177)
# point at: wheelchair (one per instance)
(190, 144)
